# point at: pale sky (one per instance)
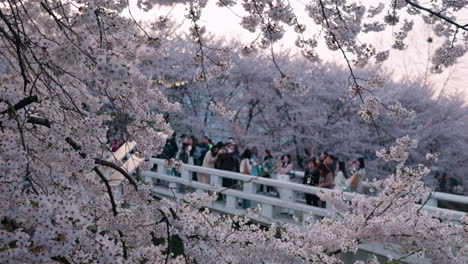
(410, 63)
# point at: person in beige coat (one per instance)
(209, 162)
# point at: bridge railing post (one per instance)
(230, 201)
(186, 175)
(215, 180)
(432, 202)
(248, 187)
(267, 211)
(161, 168)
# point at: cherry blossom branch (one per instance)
(60, 259)
(124, 246)
(18, 44)
(39, 121)
(168, 233)
(76, 147)
(117, 168)
(266, 25)
(108, 188)
(358, 91)
(23, 103)
(439, 15)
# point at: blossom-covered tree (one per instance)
(288, 123)
(73, 66)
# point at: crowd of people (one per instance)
(447, 184)
(323, 170)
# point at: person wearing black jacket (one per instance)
(170, 149)
(228, 160)
(311, 177)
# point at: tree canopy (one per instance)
(72, 67)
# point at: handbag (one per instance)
(245, 169)
(353, 182)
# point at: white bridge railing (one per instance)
(175, 187)
(246, 189)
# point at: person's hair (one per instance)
(324, 153)
(362, 165)
(218, 146)
(254, 151)
(247, 154)
(312, 160)
(267, 151)
(289, 159)
(322, 168)
(209, 140)
(332, 157)
(342, 168)
(194, 140)
(185, 145)
(236, 149)
(183, 136)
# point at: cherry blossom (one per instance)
(75, 70)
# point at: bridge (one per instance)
(175, 187)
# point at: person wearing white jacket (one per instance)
(340, 182)
(246, 168)
(355, 181)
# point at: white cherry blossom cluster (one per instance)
(398, 113)
(226, 3)
(370, 109)
(217, 107)
(447, 55)
(111, 70)
(432, 157)
(398, 153)
(308, 47)
(376, 81)
(249, 49)
(174, 164)
(74, 67)
(289, 85)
